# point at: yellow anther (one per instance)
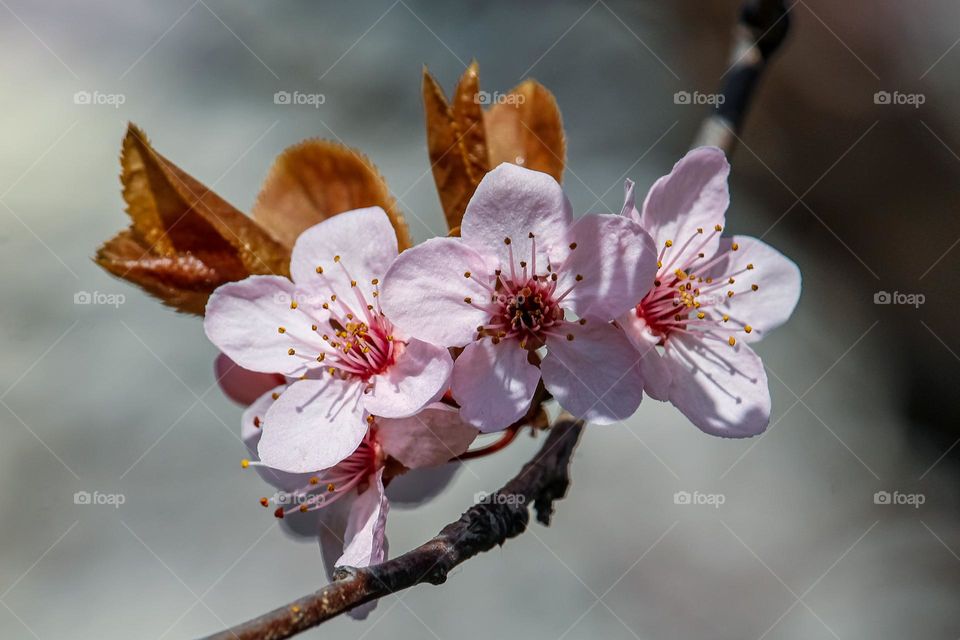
(750, 266)
(582, 321)
(353, 283)
(331, 370)
(274, 395)
(726, 317)
(729, 294)
(732, 341)
(281, 330)
(734, 246)
(244, 463)
(506, 241)
(668, 243)
(659, 264)
(747, 328)
(570, 337)
(290, 352)
(573, 245)
(754, 286)
(319, 269)
(331, 486)
(731, 280)
(264, 502)
(333, 298)
(321, 357)
(313, 327)
(336, 258)
(701, 315)
(717, 228)
(681, 274)
(370, 419)
(314, 480)
(709, 280)
(699, 229)
(466, 274)
(375, 281)
(578, 278)
(303, 509)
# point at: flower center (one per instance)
(354, 338)
(523, 304)
(682, 302)
(326, 487)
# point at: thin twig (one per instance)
(483, 526)
(762, 28)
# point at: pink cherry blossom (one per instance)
(522, 276)
(325, 328)
(712, 296)
(349, 495)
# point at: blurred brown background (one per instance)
(119, 399)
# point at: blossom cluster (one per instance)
(370, 360)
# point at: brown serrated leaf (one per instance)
(448, 155)
(174, 213)
(316, 179)
(468, 115)
(525, 128)
(183, 281)
(184, 240)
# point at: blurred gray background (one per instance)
(121, 400)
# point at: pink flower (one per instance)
(524, 275)
(712, 296)
(326, 330)
(348, 495)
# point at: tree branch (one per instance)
(762, 28)
(483, 526)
